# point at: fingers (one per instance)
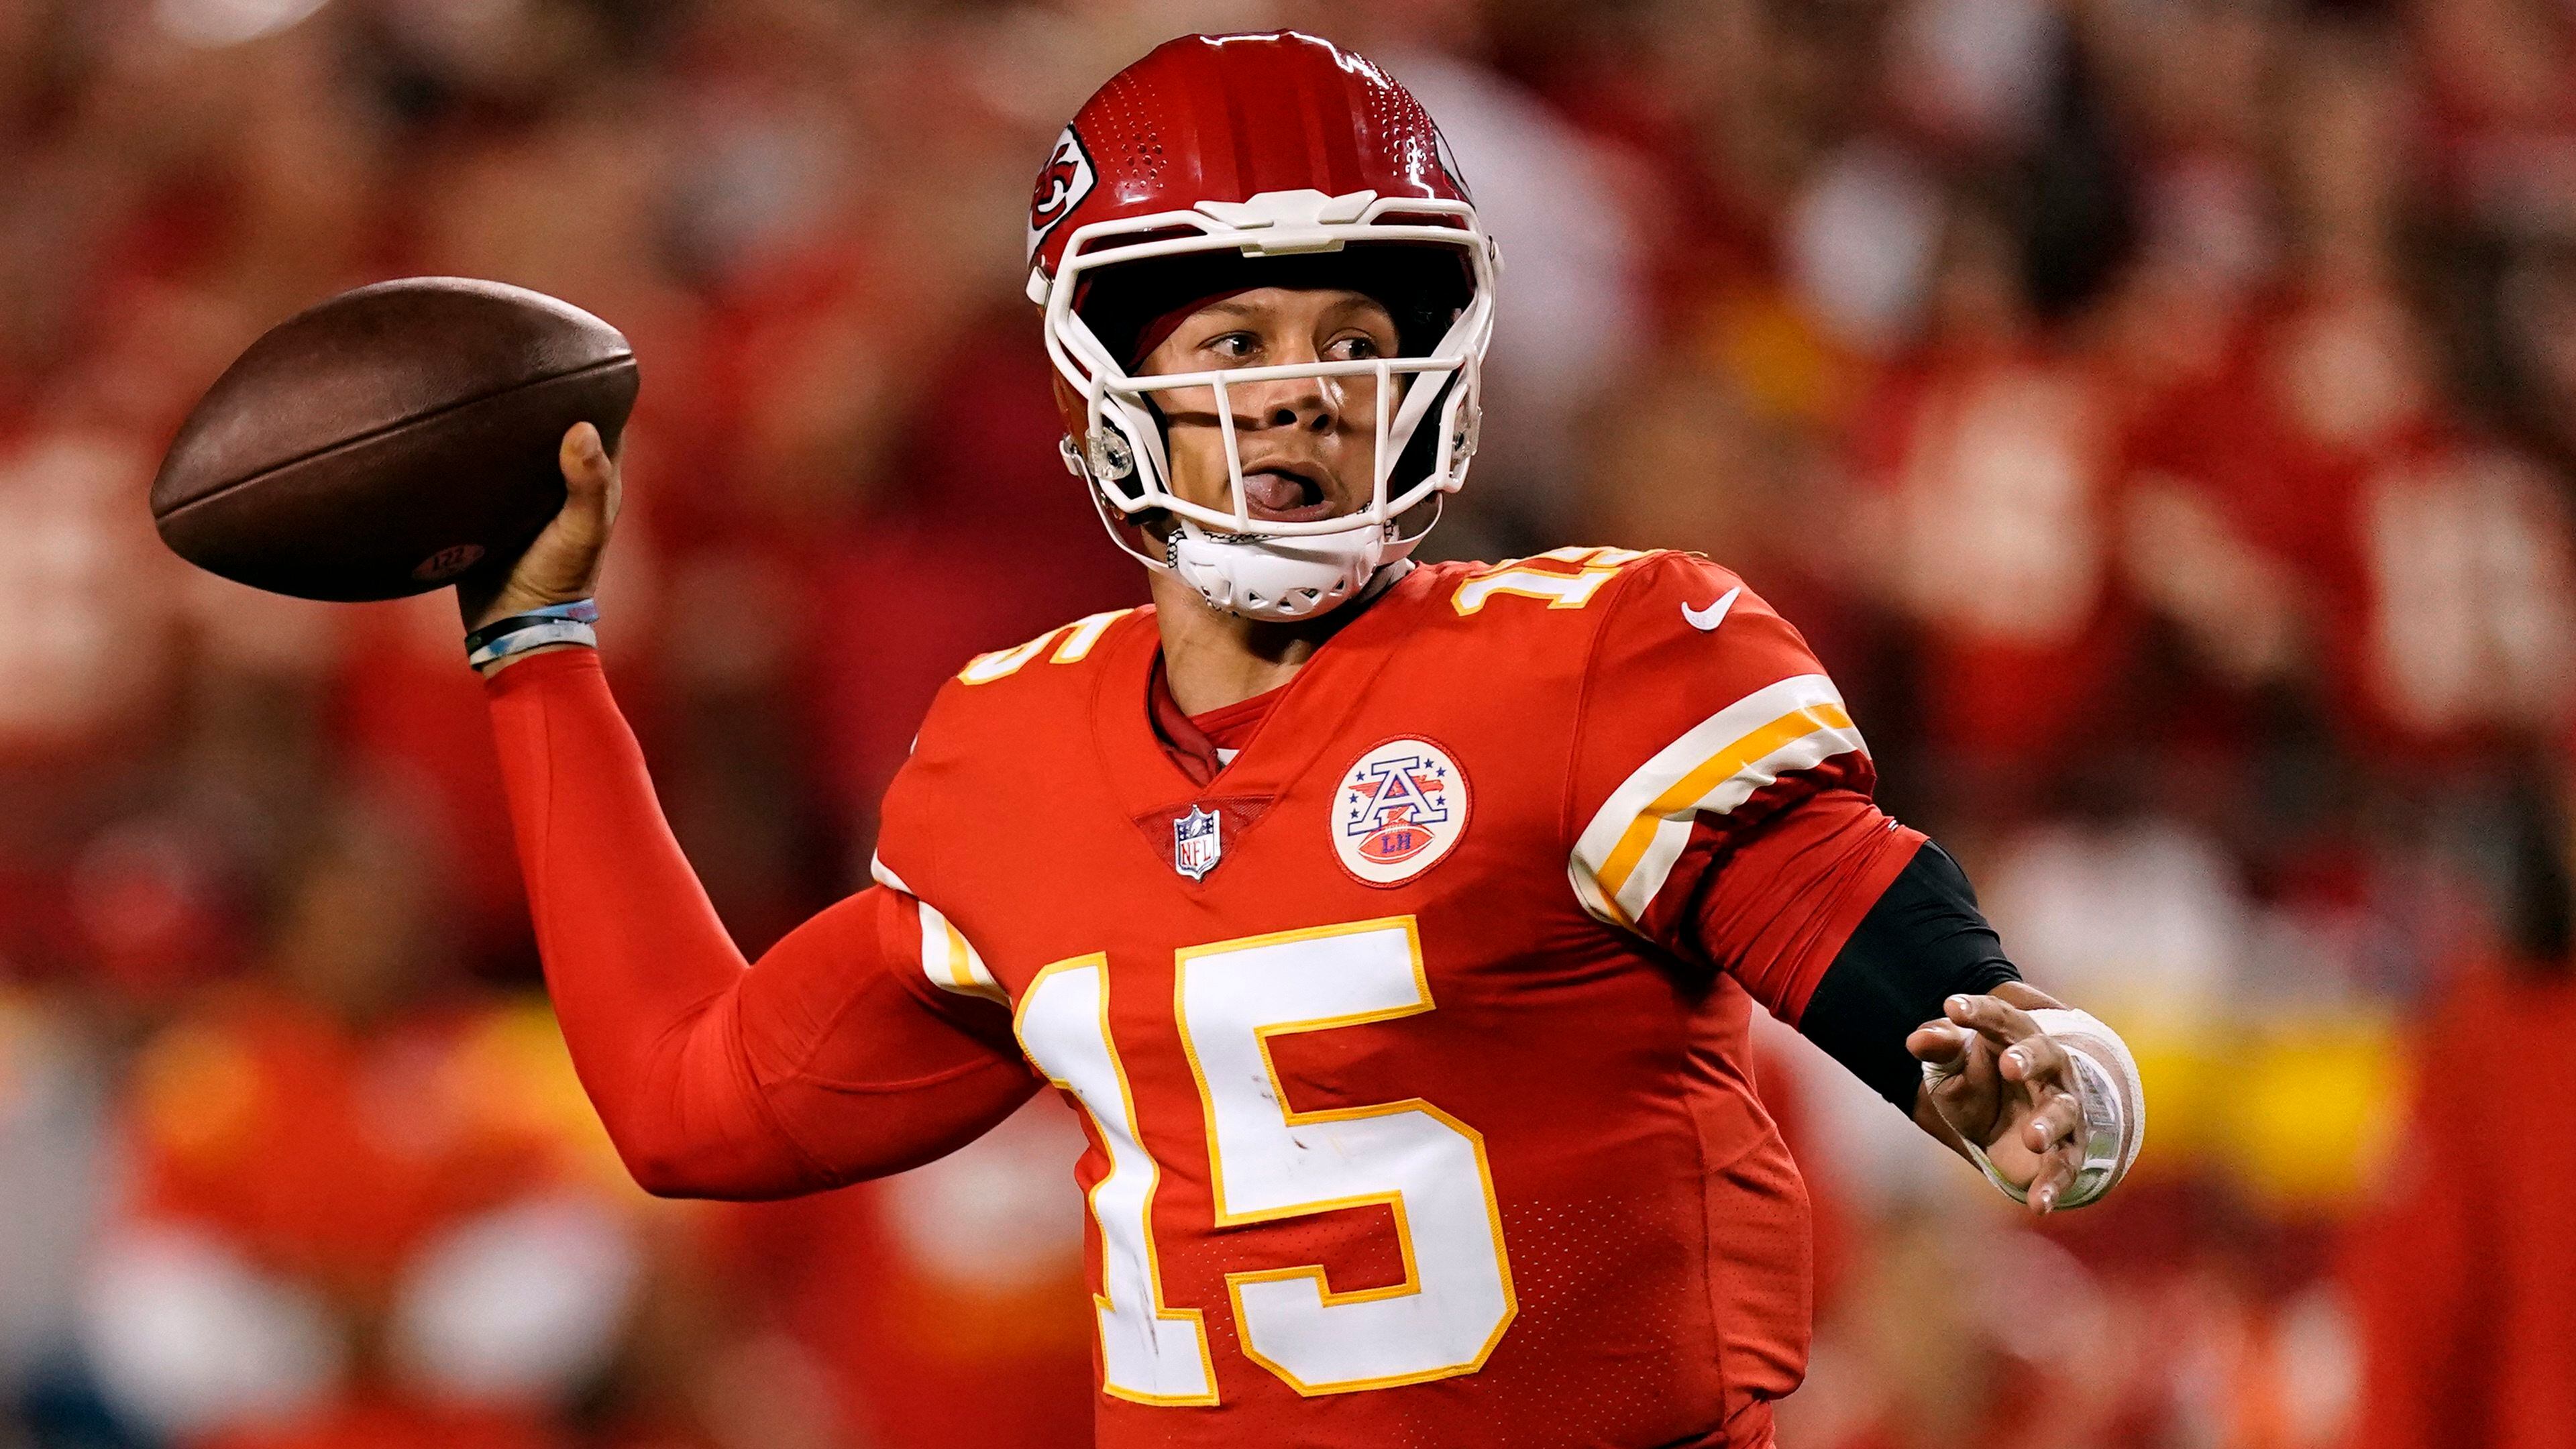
(590, 480)
(581, 458)
(1992, 1017)
(1937, 1042)
(562, 564)
(2056, 1174)
(2050, 1126)
(2053, 1131)
(2059, 1118)
(1963, 1088)
(2038, 1060)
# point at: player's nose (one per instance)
(1312, 404)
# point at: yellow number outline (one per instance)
(1197, 1319)
(1594, 567)
(1079, 637)
(1393, 1200)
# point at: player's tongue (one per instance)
(1272, 492)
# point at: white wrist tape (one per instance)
(2107, 1090)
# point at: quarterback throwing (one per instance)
(1395, 928)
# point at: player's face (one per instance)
(1308, 444)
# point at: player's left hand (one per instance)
(2008, 1087)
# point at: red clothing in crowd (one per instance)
(2466, 1275)
(1990, 473)
(2428, 576)
(333, 1153)
(337, 1159)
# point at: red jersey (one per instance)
(1412, 1045)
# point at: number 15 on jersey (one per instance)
(1268, 1161)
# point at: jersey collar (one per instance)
(1311, 711)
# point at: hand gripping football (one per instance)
(390, 439)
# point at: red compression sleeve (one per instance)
(830, 1061)
(1773, 907)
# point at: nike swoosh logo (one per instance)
(1706, 620)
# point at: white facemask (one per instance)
(1258, 568)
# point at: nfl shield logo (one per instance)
(1196, 843)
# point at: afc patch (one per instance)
(1198, 842)
(1401, 807)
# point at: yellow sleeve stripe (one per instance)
(1624, 856)
(951, 963)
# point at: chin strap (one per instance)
(1278, 579)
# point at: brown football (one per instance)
(388, 440)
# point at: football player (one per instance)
(1395, 928)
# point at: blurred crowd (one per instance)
(2160, 415)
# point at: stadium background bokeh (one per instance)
(2160, 414)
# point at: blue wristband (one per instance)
(568, 623)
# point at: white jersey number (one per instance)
(1269, 1161)
(1148, 1353)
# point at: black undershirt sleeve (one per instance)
(1924, 942)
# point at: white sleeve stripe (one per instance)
(1671, 833)
(1626, 853)
(951, 964)
(947, 957)
(884, 875)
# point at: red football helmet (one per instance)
(1230, 161)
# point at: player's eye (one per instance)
(1233, 346)
(1352, 348)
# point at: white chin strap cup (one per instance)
(1277, 579)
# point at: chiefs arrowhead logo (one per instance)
(1066, 178)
